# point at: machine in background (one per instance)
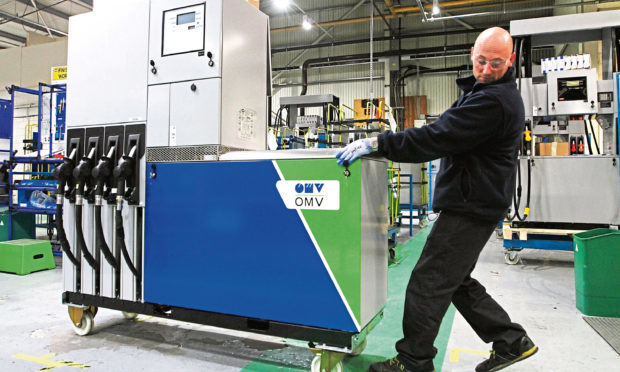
(151, 191)
(327, 126)
(568, 177)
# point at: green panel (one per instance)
(23, 225)
(25, 256)
(341, 251)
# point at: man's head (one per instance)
(492, 55)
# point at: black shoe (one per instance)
(393, 365)
(497, 361)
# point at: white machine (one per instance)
(571, 117)
(167, 81)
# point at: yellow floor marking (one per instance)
(145, 318)
(454, 353)
(50, 363)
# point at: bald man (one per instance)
(477, 139)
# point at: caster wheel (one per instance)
(130, 316)
(512, 257)
(86, 324)
(316, 365)
(360, 348)
(499, 234)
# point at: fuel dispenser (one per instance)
(157, 181)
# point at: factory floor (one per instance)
(538, 293)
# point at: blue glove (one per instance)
(353, 151)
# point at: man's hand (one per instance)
(353, 151)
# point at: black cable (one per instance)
(529, 188)
(62, 238)
(120, 241)
(516, 196)
(81, 243)
(100, 239)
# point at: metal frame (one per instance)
(317, 335)
(42, 89)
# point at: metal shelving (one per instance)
(39, 162)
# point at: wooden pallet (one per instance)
(522, 232)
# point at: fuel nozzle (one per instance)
(102, 172)
(123, 173)
(63, 173)
(82, 172)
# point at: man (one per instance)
(477, 139)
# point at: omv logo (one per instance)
(308, 188)
(310, 194)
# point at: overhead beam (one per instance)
(10, 36)
(31, 24)
(46, 9)
(86, 3)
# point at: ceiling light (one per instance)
(435, 7)
(281, 4)
(307, 23)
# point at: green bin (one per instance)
(23, 225)
(597, 272)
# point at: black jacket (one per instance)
(478, 139)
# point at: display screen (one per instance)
(573, 89)
(186, 18)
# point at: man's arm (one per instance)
(459, 129)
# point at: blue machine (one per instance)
(272, 271)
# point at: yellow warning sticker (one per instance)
(59, 73)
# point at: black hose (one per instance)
(516, 196)
(585, 128)
(101, 243)
(62, 238)
(81, 243)
(529, 188)
(120, 241)
(598, 151)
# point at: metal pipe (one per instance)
(380, 38)
(366, 56)
(443, 71)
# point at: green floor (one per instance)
(297, 356)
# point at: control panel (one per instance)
(183, 30)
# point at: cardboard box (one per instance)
(552, 149)
(562, 149)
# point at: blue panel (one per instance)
(555, 245)
(219, 238)
(6, 118)
(61, 112)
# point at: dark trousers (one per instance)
(441, 276)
